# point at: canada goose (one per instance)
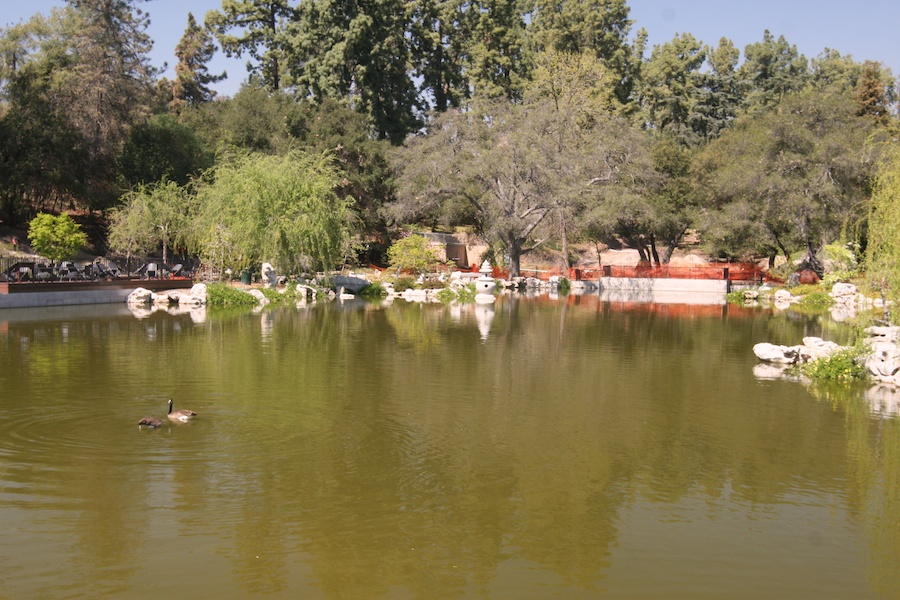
(150, 423)
(180, 415)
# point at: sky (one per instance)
(864, 29)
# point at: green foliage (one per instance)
(883, 250)
(56, 237)
(763, 182)
(163, 149)
(222, 294)
(816, 299)
(251, 27)
(150, 217)
(413, 254)
(373, 291)
(735, 297)
(404, 283)
(466, 294)
(280, 209)
(844, 366)
(446, 295)
(565, 286)
(462, 295)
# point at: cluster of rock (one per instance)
(847, 299)
(196, 296)
(881, 359)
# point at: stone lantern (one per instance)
(485, 285)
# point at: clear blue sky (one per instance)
(864, 29)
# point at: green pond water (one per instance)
(536, 448)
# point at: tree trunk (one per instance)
(653, 251)
(564, 244)
(515, 256)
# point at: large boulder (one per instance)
(774, 353)
(883, 359)
(139, 297)
(259, 296)
(269, 276)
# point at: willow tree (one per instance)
(883, 250)
(150, 217)
(280, 209)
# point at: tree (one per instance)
(599, 27)
(717, 93)
(412, 253)
(192, 77)
(786, 180)
(76, 83)
(282, 209)
(107, 86)
(258, 24)
(506, 163)
(438, 37)
(883, 249)
(162, 148)
(668, 87)
(873, 92)
(151, 217)
(56, 237)
(772, 69)
(496, 58)
(358, 52)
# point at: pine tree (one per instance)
(192, 78)
(259, 23)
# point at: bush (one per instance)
(404, 283)
(843, 365)
(57, 237)
(373, 291)
(220, 294)
(412, 253)
(735, 297)
(816, 299)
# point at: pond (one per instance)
(535, 448)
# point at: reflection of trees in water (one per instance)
(395, 448)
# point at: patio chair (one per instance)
(152, 271)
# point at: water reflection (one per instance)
(534, 447)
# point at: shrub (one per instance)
(735, 297)
(220, 294)
(373, 291)
(57, 237)
(816, 299)
(446, 295)
(466, 295)
(404, 283)
(843, 365)
(412, 253)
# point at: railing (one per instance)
(731, 271)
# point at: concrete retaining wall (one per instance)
(663, 291)
(64, 298)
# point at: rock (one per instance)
(842, 291)
(259, 296)
(351, 283)
(808, 276)
(199, 291)
(783, 296)
(269, 277)
(882, 334)
(140, 296)
(814, 348)
(883, 359)
(751, 295)
(776, 354)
